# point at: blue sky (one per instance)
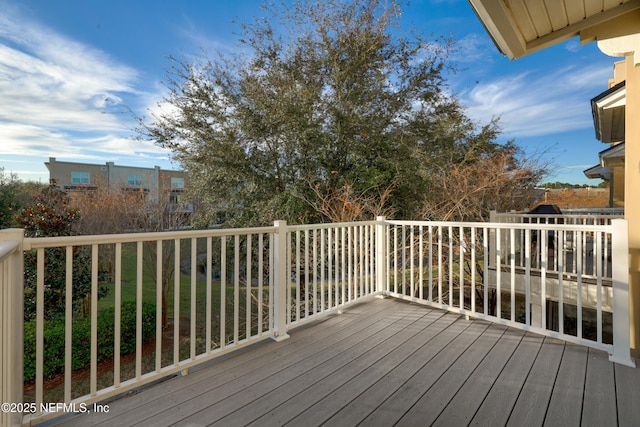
(71, 71)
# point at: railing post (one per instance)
(620, 284)
(381, 256)
(280, 281)
(11, 323)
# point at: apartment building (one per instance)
(74, 176)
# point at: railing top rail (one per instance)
(505, 225)
(562, 215)
(45, 242)
(7, 247)
(581, 210)
(330, 225)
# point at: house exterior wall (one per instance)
(626, 181)
(131, 177)
(632, 201)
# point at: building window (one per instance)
(176, 198)
(177, 183)
(134, 180)
(80, 178)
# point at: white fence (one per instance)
(237, 287)
(483, 270)
(11, 291)
(602, 216)
(329, 266)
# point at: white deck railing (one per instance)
(602, 216)
(240, 286)
(329, 266)
(482, 270)
(11, 291)
(241, 314)
(568, 250)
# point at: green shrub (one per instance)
(54, 339)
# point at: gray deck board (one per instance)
(326, 375)
(410, 392)
(385, 362)
(241, 408)
(462, 408)
(534, 398)
(565, 407)
(388, 353)
(599, 392)
(375, 396)
(628, 395)
(322, 409)
(498, 403)
(432, 403)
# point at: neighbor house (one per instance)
(150, 182)
(609, 109)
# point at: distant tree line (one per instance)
(565, 185)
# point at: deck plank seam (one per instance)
(185, 382)
(339, 367)
(505, 329)
(504, 366)
(501, 366)
(468, 348)
(555, 379)
(533, 362)
(289, 367)
(386, 375)
(400, 387)
(456, 318)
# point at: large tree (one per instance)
(324, 100)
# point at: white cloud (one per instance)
(29, 140)
(53, 88)
(539, 102)
(474, 49)
(65, 99)
(572, 46)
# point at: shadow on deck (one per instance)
(389, 362)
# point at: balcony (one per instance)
(385, 362)
(284, 325)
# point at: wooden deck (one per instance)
(388, 362)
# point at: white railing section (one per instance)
(568, 217)
(483, 270)
(616, 212)
(218, 293)
(214, 291)
(566, 249)
(330, 265)
(11, 291)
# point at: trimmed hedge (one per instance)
(81, 339)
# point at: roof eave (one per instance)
(508, 38)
